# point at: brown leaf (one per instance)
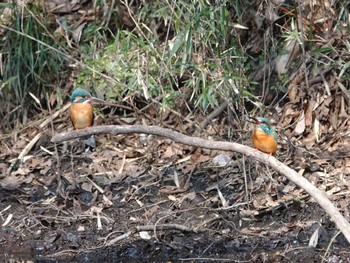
(22, 171)
(347, 162)
(86, 186)
(150, 212)
(20, 144)
(3, 168)
(293, 93)
(76, 34)
(288, 188)
(309, 111)
(186, 168)
(34, 162)
(189, 196)
(325, 106)
(199, 158)
(13, 182)
(133, 170)
(62, 6)
(172, 150)
(77, 207)
(45, 170)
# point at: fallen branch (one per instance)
(213, 114)
(164, 227)
(271, 161)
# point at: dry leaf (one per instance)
(172, 198)
(222, 198)
(190, 196)
(139, 203)
(22, 171)
(144, 235)
(309, 112)
(86, 186)
(283, 61)
(221, 160)
(62, 6)
(347, 162)
(199, 158)
(150, 212)
(314, 238)
(293, 94)
(12, 182)
(172, 150)
(317, 129)
(106, 201)
(76, 34)
(300, 127)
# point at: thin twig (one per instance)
(164, 227)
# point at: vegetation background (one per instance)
(193, 66)
(251, 55)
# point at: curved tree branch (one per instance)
(271, 161)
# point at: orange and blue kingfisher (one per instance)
(81, 109)
(264, 136)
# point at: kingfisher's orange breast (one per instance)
(81, 115)
(264, 142)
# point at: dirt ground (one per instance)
(142, 198)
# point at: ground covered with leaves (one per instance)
(143, 197)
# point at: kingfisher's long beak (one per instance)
(253, 120)
(94, 99)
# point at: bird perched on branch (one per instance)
(264, 136)
(81, 109)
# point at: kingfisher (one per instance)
(264, 136)
(81, 109)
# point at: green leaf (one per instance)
(322, 50)
(223, 20)
(188, 49)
